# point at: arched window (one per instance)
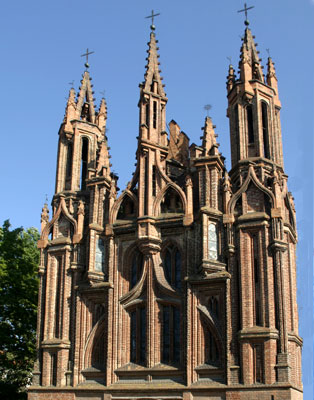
(265, 129)
(170, 345)
(136, 268)
(249, 118)
(212, 242)
(84, 161)
(172, 266)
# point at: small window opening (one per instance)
(85, 112)
(249, 116)
(154, 180)
(155, 114)
(147, 114)
(84, 160)
(265, 129)
(68, 171)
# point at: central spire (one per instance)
(153, 98)
(152, 79)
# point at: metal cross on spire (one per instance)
(245, 10)
(268, 52)
(230, 60)
(86, 55)
(152, 27)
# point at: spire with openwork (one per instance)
(153, 98)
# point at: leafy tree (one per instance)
(19, 258)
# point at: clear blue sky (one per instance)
(41, 43)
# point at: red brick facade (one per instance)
(184, 286)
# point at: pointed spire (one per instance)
(102, 115)
(271, 73)
(271, 79)
(44, 218)
(70, 111)
(249, 65)
(152, 82)
(230, 78)
(209, 143)
(85, 100)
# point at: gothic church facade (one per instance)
(184, 285)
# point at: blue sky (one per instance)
(41, 43)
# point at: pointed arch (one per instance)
(212, 335)
(161, 280)
(95, 334)
(117, 204)
(62, 208)
(251, 177)
(162, 194)
(136, 290)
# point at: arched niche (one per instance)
(212, 348)
(125, 208)
(171, 202)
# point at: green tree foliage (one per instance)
(19, 258)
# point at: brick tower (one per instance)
(184, 285)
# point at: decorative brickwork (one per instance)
(184, 285)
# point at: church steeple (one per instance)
(153, 98)
(83, 152)
(253, 107)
